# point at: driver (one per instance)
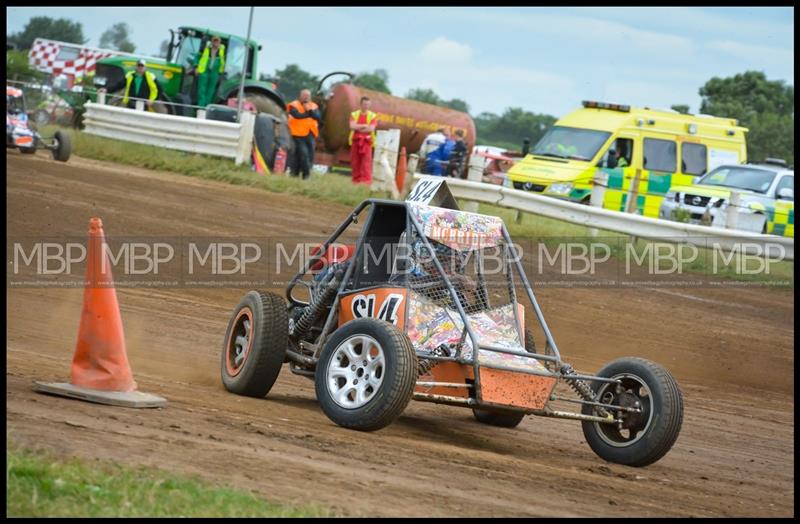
(424, 277)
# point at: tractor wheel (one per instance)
(41, 117)
(265, 105)
(63, 147)
(77, 119)
(366, 374)
(643, 437)
(282, 137)
(255, 344)
(504, 418)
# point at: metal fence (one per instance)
(626, 223)
(193, 135)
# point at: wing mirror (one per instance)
(785, 193)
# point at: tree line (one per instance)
(765, 107)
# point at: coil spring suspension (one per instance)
(425, 364)
(581, 388)
(317, 306)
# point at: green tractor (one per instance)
(177, 86)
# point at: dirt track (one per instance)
(731, 350)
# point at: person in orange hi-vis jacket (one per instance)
(303, 121)
(361, 141)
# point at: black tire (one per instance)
(398, 375)
(657, 426)
(63, 148)
(504, 418)
(77, 121)
(261, 319)
(182, 110)
(265, 104)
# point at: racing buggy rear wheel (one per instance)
(62, 146)
(255, 344)
(647, 434)
(366, 374)
(505, 418)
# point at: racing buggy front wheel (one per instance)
(648, 430)
(62, 147)
(366, 374)
(255, 344)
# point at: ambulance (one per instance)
(637, 154)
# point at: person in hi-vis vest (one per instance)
(140, 84)
(303, 121)
(362, 139)
(210, 64)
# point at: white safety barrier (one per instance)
(384, 161)
(194, 135)
(636, 225)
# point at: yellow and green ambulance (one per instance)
(638, 153)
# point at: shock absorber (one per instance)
(581, 387)
(317, 306)
(425, 364)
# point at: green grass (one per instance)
(39, 486)
(334, 187)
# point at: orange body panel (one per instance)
(387, 303)
(515, 389)
(447, 372)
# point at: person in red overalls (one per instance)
(361, 141)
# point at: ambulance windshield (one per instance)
(571, 143)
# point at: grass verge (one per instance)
(39, 486)
(339, 189)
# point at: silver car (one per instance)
(765, 198)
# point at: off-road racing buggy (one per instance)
(440, 322)
(19, 133)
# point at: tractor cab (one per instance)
(187, 45)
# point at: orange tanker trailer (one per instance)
(415, 120)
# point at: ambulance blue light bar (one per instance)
(603, 105)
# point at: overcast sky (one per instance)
(544, 60)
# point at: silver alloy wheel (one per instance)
(355, 371)
(241, 343)
(637, 393)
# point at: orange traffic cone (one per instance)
(400, 177)
(100, 368)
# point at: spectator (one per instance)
(303, 123)
(431, 143)
(362, 139)
(140, 84)
(455, 165)
(210, 65)
(437, 160)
